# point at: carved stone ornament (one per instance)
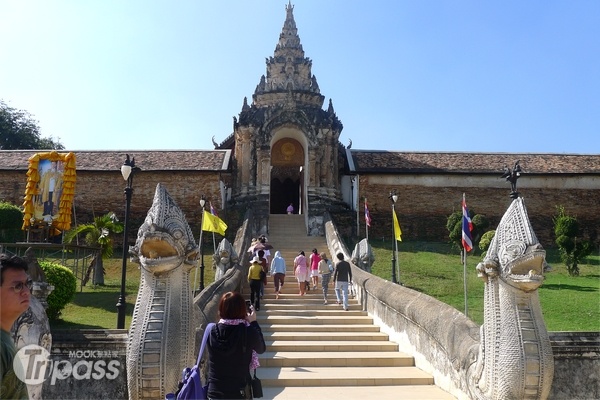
(515, 357)
(161, 336)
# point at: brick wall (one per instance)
(422, 211)
(97, 193)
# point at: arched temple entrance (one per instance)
(287, 176)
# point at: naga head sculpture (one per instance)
(165, 240)
(225, 253)
(515, 254)
(363, 255)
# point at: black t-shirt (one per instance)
(343, 272)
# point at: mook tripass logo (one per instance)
(32, 365)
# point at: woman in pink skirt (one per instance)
(301, 272)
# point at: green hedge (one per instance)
(11, 221)
(65, 287)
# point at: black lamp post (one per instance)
(127, 170)
(394, 199)
(202, 203)
(352, 180)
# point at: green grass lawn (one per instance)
(568, 303)
(95, 306)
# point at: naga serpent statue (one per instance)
(363, 256)
(161, 337)
(224, 258)
(515, 358)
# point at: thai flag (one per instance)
(212, 210)
(467, 227)
(367, 215)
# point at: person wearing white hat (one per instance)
(255, 280)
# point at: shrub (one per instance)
(11, 221)
(65, 286)
(573, 249)
(486, 240)
(454, 226)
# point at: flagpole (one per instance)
(213, 212)
(201, 286)
(366, 224)
(464, 250)
(465, 281)
(196, 284)
(394, 198)
(397, 259)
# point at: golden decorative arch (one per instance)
(62, 221)
(286, 153)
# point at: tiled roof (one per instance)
(363, 161)
(374, 161)
(149, 160)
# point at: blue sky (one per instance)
(475, 76)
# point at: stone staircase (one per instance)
(321, 351)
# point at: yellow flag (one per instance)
(212, 223)
(397, 230)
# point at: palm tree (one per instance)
(99, 234)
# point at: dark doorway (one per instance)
(284, 193)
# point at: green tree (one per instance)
(19, 130)
(572, 247)
(454, 226)
(99, 233)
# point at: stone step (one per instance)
(303, 302)
(290, 300)
(382, 392)
(319, 328)
(319, 336)
(290, 287)
(335, 359)
(317, 311)
(331, 345)
(343, 376)
(310, 320)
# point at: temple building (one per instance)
(285, 149)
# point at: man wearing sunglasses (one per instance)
(15, 290)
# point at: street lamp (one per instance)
(128, 169)
(202, 203)
(394, 198)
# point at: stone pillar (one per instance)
(264, 163)
(243, 155)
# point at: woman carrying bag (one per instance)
(233, 348)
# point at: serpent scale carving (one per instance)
(161, 336)
(515, 357)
